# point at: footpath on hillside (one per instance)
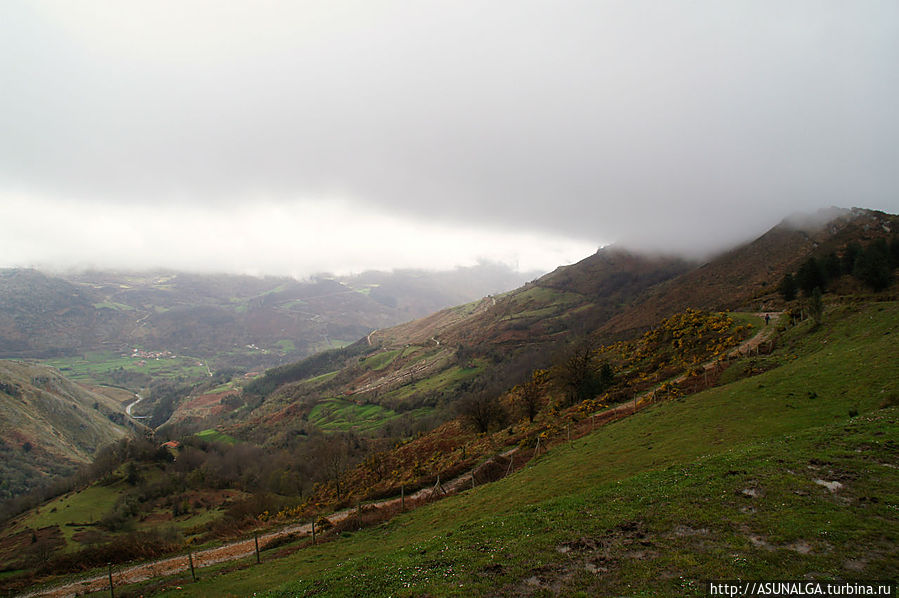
(246, 548)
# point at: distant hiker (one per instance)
(767, 319)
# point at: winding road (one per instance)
(131, 406)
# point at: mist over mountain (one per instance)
(230, 320)
(568, 265)
(292, 138)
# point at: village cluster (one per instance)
(156, 355)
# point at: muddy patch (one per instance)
(598, 555)
(833, 486)
(760, 542)
(578, 546)
(685, 531)
(799, 546)
(493, 570)
(857, 565)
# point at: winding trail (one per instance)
(132, 405)
(648, 396)
(227, 552)
(245, 548)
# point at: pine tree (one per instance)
(816, 307)
(810, 276)
(850, 255)
(787, 287)
(873, 266)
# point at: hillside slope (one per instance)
(816, 381)
(43, 315)
(746, 277)
(426, 365)
(787, 473)
(49, 425)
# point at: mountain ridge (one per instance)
(218, 316)
(50, 426)
(613, 294)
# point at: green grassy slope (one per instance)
(72, 512)
(721, 484)
(49, 425)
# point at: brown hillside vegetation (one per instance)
(49, 425)
(590, 289)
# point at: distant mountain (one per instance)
(229, 320)
(49, 425)
(417, 293)
(40, 314)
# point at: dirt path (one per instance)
(132, 405)
(227, 552)
(744, 348)
(245, 548)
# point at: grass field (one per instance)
(547, 296)
(85, 506)
(442, 380)
(379, 361)
(286, 346)
(734, 482)
(114, 306)
(213, 435)
(95, 366)
(341, 415)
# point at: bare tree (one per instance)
(580, 376)
(530, 394)
(482, 410)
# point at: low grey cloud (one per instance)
(683, 126)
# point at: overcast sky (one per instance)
(299, 137)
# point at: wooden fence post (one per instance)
(313, 530)
(256, 539)
(190, 559)
(109, 571)
(403, 497)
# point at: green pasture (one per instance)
(213, 435)
(83, 506)
(95, 366)
(379, 361)
(341, 415)
(728, 483)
